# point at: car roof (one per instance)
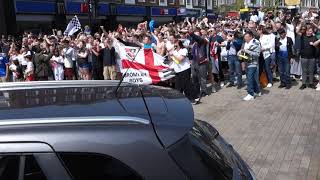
(169, 112)
(53, 99)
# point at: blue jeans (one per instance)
(284, 69)
(267, 64)
(253, 80)
(234, 70)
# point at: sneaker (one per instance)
(195, 101)
(222, 84)
(214, 90)
(239, 87)
(318, 88)
(230, 85)
(281, 86)
(288, 87)
(269, 85)
(204, 94)
(303, 86)
(248, 98)
(312, 86)
(257, 94)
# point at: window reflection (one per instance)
(63, 96)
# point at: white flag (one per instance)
(73, 26)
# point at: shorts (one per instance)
(68, 73)
(84, 66)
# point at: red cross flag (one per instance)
(144, 66)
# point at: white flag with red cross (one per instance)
(143, 66)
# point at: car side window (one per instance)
(83, 166)
(20, 167)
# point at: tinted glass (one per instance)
(200, 156)
(10, 168)
(32, 170)
(96, 167)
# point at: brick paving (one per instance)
(277, 134)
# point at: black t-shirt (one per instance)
(82, 60)
(108, 56)
(308, 51)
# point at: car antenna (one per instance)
(123, 75)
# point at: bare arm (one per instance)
(96, 52)
(83, 55)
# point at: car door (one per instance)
(30, 161)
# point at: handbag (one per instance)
(263, 79)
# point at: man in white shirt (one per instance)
(254, 17)
(267, 41)
(68, 55)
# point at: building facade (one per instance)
(44, 15)
(304, 4)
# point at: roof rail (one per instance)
(57, 84)
(74, 120)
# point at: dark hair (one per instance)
(36, 49)
(250, 33)
(65, 41)
(147, 36)
(180, 44)
(281, 31)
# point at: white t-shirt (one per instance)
(68, 63)
(254, 18)
(290, 32)
(68, 59)
(169, 46)
(184, 64)
(13, 68)
(273, 42)
(30, 68)
(57, 61)
(267, 44)
(22, 60)
(283, 46)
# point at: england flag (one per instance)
(73, 26)
(143, 66)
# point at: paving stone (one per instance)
(277, 134)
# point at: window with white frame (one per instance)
(171, 2)
(162, 2)
(181, 2)
(209, 4)
(188, 2)
(195, 2)
(202, 3)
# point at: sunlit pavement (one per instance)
(278, 134)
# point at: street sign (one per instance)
(292, 2)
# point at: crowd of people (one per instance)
(199, 50)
